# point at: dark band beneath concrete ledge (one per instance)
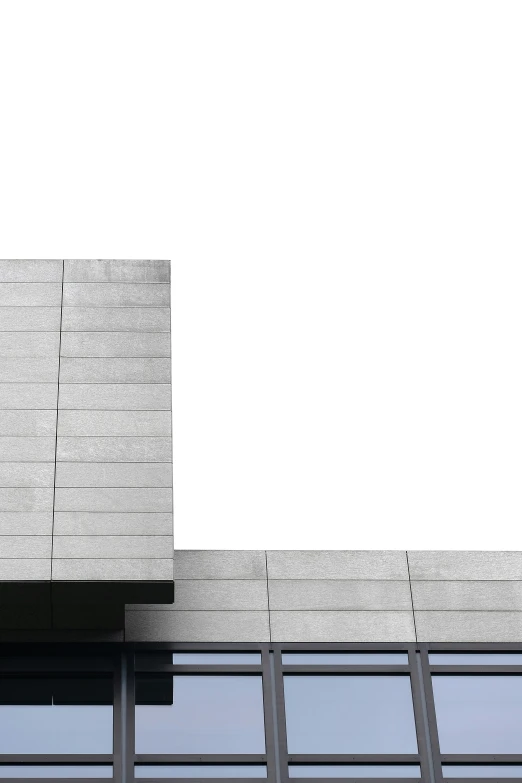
(75, 605)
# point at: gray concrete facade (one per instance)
(337, 596)
(85, 437)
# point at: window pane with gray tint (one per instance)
(476, 659)
(55, 771)
(199, 771)
(199, 714)
(344, 659)
(479, 714)
(216, 659)
(349, 714)
(52, 715)
(481, 771)
(354, 771)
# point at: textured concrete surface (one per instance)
(115, 396)
(85, 428)
(337, 597)
(110, 474)
(117, 319)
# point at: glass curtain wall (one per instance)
(266, 711)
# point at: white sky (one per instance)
(339, 187)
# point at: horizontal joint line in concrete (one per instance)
(113, 383)
(102, 307)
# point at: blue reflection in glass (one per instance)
(476, 659)
(481, 771)
(51, 715)
(479, 714)
(349, 714)
(208, 714)
(344, 659)
(216, 659)
(55, 771)
(354, 771)
(200, 771)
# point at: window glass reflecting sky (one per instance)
(354, 771)
(208, 714)
(344, 658)
(349, 714)
(479, 714)
(476, 659)
(31, 720)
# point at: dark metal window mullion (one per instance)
(273, 774)
(280, 712)
(431, 715)
(130, 717)
(421, 717)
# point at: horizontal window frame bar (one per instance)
(353, 758)
(48, 759)
(507, 759)
(479, 780)
(63, 780)
(199, 760)
(377, 669)
(192, 780)
(196, 668)
(200, 647)
(476, 647)
(475, 669)
(356, 779)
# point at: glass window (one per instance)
(199, 714)
(479, 713)
(481, 771)
(200, 771)
(216, 659)
(354, 771)
(476, 659)
(349, 714)
(344, 659)
(55, 771)
(53, 715)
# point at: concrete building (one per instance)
(123, 659)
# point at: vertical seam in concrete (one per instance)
(268, 598)
(56, 441)
(411, 597)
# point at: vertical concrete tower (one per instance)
(85, 442)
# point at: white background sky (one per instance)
(339, 187)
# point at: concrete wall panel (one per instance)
(30, 294)
(219, 564)
(337, 565)
(116, 295)
(114, 370)
(342, 626)
(116, 396)
(113, 499)
(104, 423)
(108, 449)
(30, 319)
(119, 344)
(84, 523)
(30, 271)
(28, 396)
(117, 319)
(112, 474)
(116, 270)
(26, 474)
(348, 594)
